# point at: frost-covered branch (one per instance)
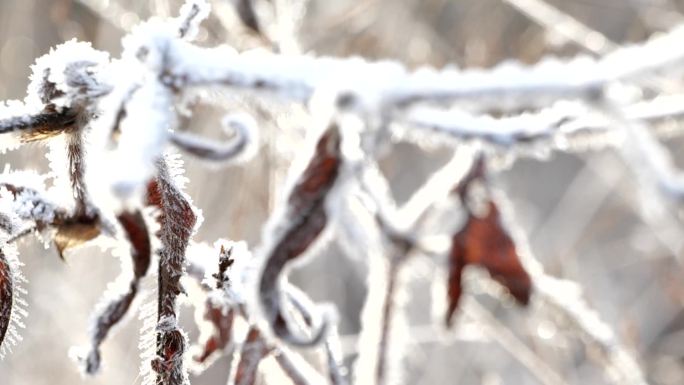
(566, 297)
(387, 84)
(554, 126)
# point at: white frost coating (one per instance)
(505, 131)
(13, 112)
(144, 133)
(31, 203)
(68, 66)
(355, 227)
(510, 85)
(370, 336)
(149, 44)
(148, 331)
(176, 171)
(58, 161)
(25, 178)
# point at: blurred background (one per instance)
(580, 212)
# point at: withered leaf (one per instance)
(117, 306)
(73, 234)
(137, 233)
(223, 330)
(484, 241)
(305, 220)
(6, 295)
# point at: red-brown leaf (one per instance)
(6, 295)
(138, 235)
(484, 241)
(117, 306)
(223, 330)
(306, 218)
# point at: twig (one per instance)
(564, 25)
(253, 351)
(565, 297)
(508, 341)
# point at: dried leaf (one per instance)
(73, 234)
(138, 235)
(223, 330)
(484, 241)
(116, 306)
(6, 295)
(106, 318)
(305, 220)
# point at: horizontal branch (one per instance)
(38, 126)
(510, 85)
(561, 120)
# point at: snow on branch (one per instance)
(509, 85)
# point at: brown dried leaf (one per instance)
(305, 220)
(116, 307)
(138, 235)
(6, 295)
(484, 241)
(223, 330)
(73, 234)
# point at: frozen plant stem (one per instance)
(386, 322)
(177, 221)
(507, 340)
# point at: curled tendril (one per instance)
(244, 133)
